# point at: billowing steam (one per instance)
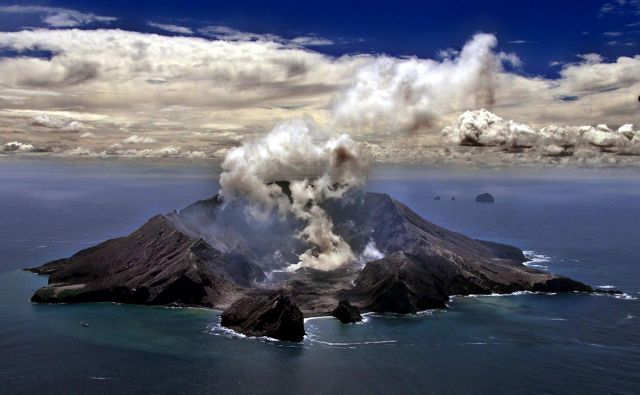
(410, 94)
(316, 168)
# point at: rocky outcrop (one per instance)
(405, 283)
(485, 198)
(271, 315)
(346, 312)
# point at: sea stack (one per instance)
(485, 198)
(346, 312)
(272, 316)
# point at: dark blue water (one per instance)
(585, 223)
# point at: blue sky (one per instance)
(540, 31)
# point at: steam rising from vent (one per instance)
(316, 167)
(411, 94)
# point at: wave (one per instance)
(341, 344)
(517, 293)
(219, 330)
(625, 296)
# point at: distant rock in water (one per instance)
(346, 312)
(453, 198)
(265, 315)
(485, 198)
(436, 198)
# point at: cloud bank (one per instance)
(208, 95)
(482, 128)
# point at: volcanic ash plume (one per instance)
(317, 168)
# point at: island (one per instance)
(485, 198)
(212, 254)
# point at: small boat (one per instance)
(84, 324)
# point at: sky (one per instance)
(195, 78)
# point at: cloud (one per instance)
(519, 42)
(209, 95)
(135, 139)
(484, 129)
(311, 41)
(58, 17)
(590, 58)
(612, 34)
(621, 7)
(53, 122)
(88, 135)
(412, 94)
(229, 34)
(15, 146)
(171, 28)
(118, 150)
(193, 72)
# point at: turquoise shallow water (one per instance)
(585, 226)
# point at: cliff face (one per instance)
(210, 255)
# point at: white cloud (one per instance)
(412, 94)
(15, 146)
(58, 17)
(53, 122)
(135, 139)
(311, 41)
(88, 135)
(621, 7)
(229, 34)
(590, 58)
(485, 129)
(171, 28)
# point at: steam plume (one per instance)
(317, 168)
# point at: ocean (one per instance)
(580, 223)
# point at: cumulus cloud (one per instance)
(135, 139)
(170, 28)
(88, 135)
(58, 17)
(15, 146)
(53, 122)
(484, 129)
(318, 169)
(118, 150)
(411, 94)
